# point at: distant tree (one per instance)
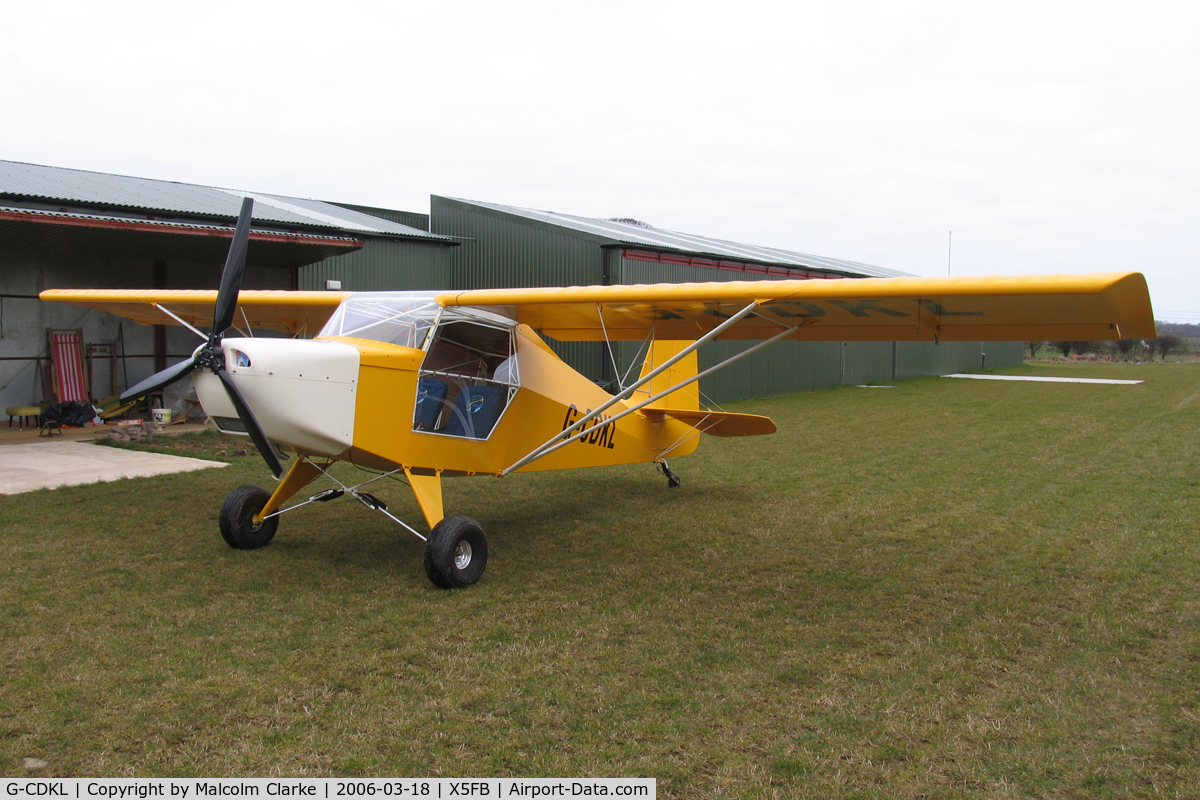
(1066, 348)
(1165, 345)
(1127, 349)
(1033, 347)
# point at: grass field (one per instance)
(945, 589)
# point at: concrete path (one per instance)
(1035, 378)
(46, 465)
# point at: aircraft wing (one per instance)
(287, 312)
(1041, 307)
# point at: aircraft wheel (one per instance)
(237, 513)
(456, 553)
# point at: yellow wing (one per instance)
(1048, 307)
(288, 312)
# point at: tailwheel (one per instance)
(237, 519)
(456, 553)
(673, 480)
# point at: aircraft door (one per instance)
(468, 377)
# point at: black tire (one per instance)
(456, 553)
(237, 513)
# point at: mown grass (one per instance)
(947, 589)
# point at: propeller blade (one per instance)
(257, 435)
(158, 380)
(231, 276)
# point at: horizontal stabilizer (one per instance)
(715, 423)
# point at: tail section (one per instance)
(715, 423)
(683, 405)
(685, 399)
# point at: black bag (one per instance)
(73, 413)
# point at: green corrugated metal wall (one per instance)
(498, 252)
(381, 265)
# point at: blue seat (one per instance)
(431, 394)
(476, 410)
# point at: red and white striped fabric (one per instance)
(67, 356)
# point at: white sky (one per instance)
(1049, 136)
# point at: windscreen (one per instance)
(397, 317)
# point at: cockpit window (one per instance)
(468, 378)
(400, 318)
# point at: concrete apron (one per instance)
(47, 465)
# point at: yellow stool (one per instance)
(23, 413)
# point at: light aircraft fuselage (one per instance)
(383, 405)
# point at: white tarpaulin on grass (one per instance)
(1035, 378)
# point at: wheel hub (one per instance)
(462, 554)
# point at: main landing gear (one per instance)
(456, 552)
(672, 479)
(238, 528)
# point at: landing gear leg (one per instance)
(672, 479)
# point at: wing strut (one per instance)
(180, 320)
(608, 346)
(557, 442)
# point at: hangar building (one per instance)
(63, 228)
(69, 229)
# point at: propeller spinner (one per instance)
(209, 356)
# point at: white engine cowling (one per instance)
(302, 391)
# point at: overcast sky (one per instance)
(1049, 137)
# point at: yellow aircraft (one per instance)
(438, 384)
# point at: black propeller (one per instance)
(209, 356)
(158, 380)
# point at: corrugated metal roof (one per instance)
(80, 187)
(617, 233)
(104, 235)
(12, 212)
